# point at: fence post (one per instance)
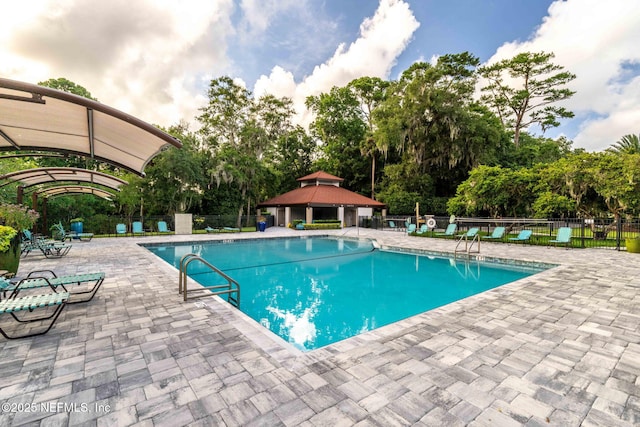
(582, 226)
(618, 232)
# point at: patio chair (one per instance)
(49, 248)
(84, 284)
(471, 233)
(59, 233)
(136, 228)
(392, 225)
(450, 231)
(423, 229)
(523, 236)
(497, 234)
(563, 236)
(411, 228)
(121, 229)
(55, 249)
(31, 304)
(162, 227)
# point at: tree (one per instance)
(239, 131)
(291, 158)
(628, 144)
(402, 187)
(370, 92)
(495, 191)
(175, 178)
(341, 128)
(540, 83)
(67, 86)
(430, 117)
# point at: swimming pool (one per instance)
(316, 291)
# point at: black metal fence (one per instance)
(586, 232)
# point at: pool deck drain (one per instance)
(558, 348)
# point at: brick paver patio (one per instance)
(561, 348)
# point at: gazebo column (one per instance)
(341, 215)
(287, 215)
(309, 215)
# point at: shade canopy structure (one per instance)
(34, 117)
(31, 177)
(65, 190)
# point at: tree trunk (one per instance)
(373, 175)
(239, 219)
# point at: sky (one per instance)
(154, 59)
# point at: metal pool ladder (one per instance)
(468, 245)
(231, 288)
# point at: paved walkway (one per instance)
(560, 348)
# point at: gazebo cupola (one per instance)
(320, 178)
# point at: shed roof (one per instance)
(34, 117)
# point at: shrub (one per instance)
(326, 226)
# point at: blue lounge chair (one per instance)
(423, 229)
(498, 234)
(30, 304)
(136, 228)
(121, 229)
(523, 236)
(450, 231)
(49, 248)
(392, 225)
(162, 227)
(563, 236)
(471, 233)
(411, 228)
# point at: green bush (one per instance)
(326, 226)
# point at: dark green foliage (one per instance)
(421, 139)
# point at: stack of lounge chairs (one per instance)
(49, 248)
(40, 297)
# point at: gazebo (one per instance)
(320, 197)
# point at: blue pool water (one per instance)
(316, 291)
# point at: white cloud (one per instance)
(258, 14)
(382, 38)
(147, 57)
(593, 39)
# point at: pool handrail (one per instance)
(475, 238)
(229, 288)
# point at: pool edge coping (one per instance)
(290, 356)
